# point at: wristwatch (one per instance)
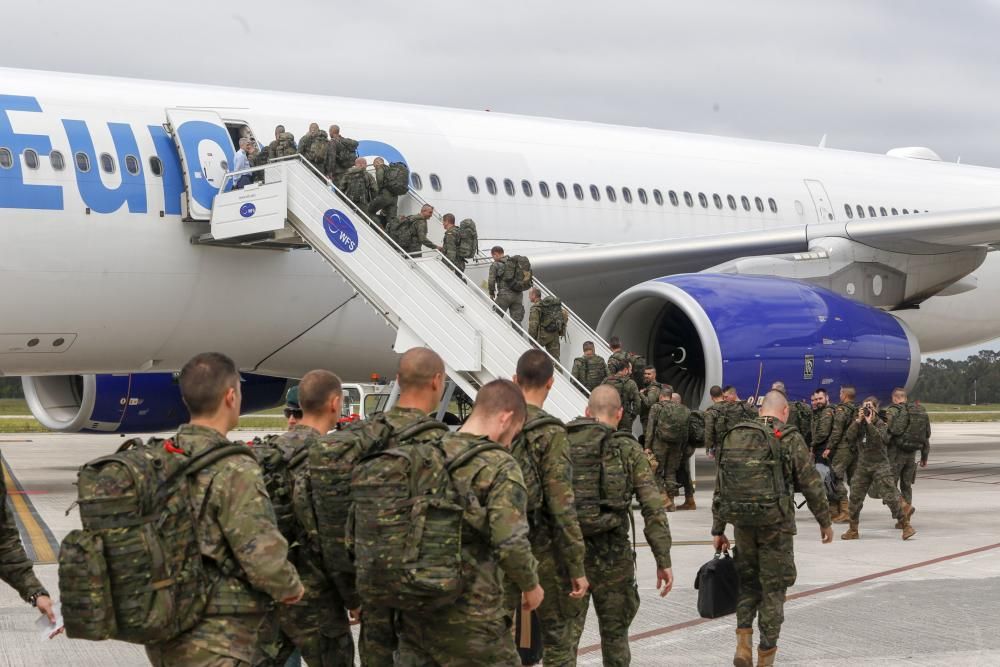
(33, 598)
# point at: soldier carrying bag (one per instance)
(915, 437)
(279, 480)
(517, 274)
(600, 476)
(135, 571)
(468, 239)
(718, 585)
(396, 178)
(553, 317)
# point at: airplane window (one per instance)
(881, 210)
(688, 199)
(905, 212)
(6, 160)
(871, 211)
(759, 203)
(473, 185)
(491, 186)
(578, 191)
(612, 196)
(435, 183)
(717, 200)
(416, 182)
(849, 210)
(508, 186)
(132, 164)
(703, 200)
(57, 161)
(658, 197)
(673, 198)
(773, 205)
(526, 186)
(83, 162)
(745, 202)
(543, 189)
(643, 197)
(561, 190)
(627, 195)
(107, 163)
(894, 211)
(30, 159)
(861, 211)
(595, 193)
(732, 201)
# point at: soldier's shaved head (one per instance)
(848, 392)
(676, 398)
(775, 405)
(715, 392)
(448, 217)
(615, 343)
(278, 131)
(313, 127)
(500, 396)
(361, 162)
(667, 389)
(496, 251)
(534, 293)
(378, 162)
(334, 130)
(588, 346)
(204, 381)
(604, 404)
(534, 370)
(417, 368)
(779, 386)
(899, 392)
(315, 390)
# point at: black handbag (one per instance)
(528, 637)
(718, 586)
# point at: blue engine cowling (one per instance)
(128, 403)
(701, 330)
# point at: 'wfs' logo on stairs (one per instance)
(340, 230)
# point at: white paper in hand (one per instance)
(50, 630)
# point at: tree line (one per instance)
(975, 380)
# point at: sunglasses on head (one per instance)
(292, 412)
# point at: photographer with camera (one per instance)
(874, 471)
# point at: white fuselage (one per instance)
(127, 291)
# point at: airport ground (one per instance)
(876, 601)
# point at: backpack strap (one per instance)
(471, 453)
(198, 463)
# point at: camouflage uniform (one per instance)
(727, 415)
(800, 416)
(712, 414)
(315, 148)
(380, 627)
(674, 418)
(843, 451)
(822, 429)
(590, 371)
(873, 470)
(503, 295)
(696, 436)
(556, 541)
(629, 394)
(547, 339)
(357, 185)
(610, 560)
(765, 559)
(239, 537)
(450, 248)
(417, 237)
(384, 206)
(476, 629)
(15, 568)
(903, 460)
(650, 396)
(283, 146)
(318, 623)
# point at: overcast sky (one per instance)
(870, 74)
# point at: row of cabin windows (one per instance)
(610, 192)
(873, 212)
(82, 161)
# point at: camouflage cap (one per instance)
(292, 398)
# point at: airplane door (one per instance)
(206, 154)
(824, 208)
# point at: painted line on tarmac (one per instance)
(40, 545)
(813, 591)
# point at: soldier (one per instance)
(590, 369)
(238, 535)
(910, 430)
(384, 205)
(475, 630)
(650, 394)
(617, 352)
(799, 414)
(449, 247)
(696, 436)
(542, 451)
(667, 437)
(712, 413)
(410, 232)
(547, 321)
(500, 289)
(314, 147)
(357, 184)
(763, 521)
(621, 381)
(822, 424)
(731, 411)
(840, 450)
(610, 557)
(873, 470)
(292, 411)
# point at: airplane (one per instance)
(723, 261)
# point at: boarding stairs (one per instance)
(423, 297)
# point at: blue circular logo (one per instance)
(340, 230)
(247, 210)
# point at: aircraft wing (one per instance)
(615, 268)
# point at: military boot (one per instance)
(765, 656)
(668, 501)
(908, 530)
(842, 515)
(688, 504)
(852, 532)
(907, 509)
(744, 648)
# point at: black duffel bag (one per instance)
(717, 586)
(528, 636)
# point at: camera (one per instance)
(868, 411)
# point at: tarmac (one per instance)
(932, 600)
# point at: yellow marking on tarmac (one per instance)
(40, 544)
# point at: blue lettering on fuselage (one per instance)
(14, 193)
(97, 196)
(173, 180)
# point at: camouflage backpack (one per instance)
(316, 150)
(729, 415)
(468, 239)
(325, 492)
(553, 316)
(672, 423)
(354, 185)
(915, 437)
(279, 480)
(407, 524)
(525, 451)
(396, 178)
(751, 480)
(593, 371)
(403, 231)
(135, 571)
(802, 419)
(600, 475)
(638, 367)
(284, 145)
(517, 273)
(696, 430)
(347, 152)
